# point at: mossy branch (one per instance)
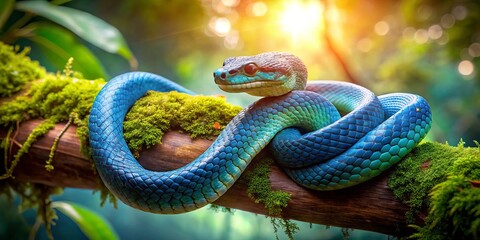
(435, 189)
(371, 206)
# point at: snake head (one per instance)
(265, 74)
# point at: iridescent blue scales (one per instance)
(320, 149)
(407, 121)
(363, 113)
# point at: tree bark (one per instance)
(369, 206)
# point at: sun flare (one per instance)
(301, 20)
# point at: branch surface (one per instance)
(369, 206)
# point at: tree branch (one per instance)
(369, 206)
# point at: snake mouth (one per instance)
(242, 87)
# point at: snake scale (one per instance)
(328, 135)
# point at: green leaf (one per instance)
(59, 45)
(6, 8)
(90, 28)
(92, 224)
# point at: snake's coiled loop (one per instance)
(363, 112)
(407, 121)
(391, 126)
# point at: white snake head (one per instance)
(265, 74)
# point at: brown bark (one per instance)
(369, 206)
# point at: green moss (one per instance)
(260, 190)
(54, 99)
(48, 164)
(151, 116)
(16, 69)
(443, 180)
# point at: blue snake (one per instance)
(327, 135)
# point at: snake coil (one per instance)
(328, 135)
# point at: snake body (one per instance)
(335, 151)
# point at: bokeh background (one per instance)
(427, 47)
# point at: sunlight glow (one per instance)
(474, 49)
(382, 28)
(460, 12)
(259, 9)
(421, 36)
(435, 31)
(447, 20)
(301, 19)
(465, 67)
(232, 40)
(220, 26)
(365, 45)
(230, 3)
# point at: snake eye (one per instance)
(250, 69)
(223, 64)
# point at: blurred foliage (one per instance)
(33, 196)
(21, 20)
(92, 224)
(12, 220)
